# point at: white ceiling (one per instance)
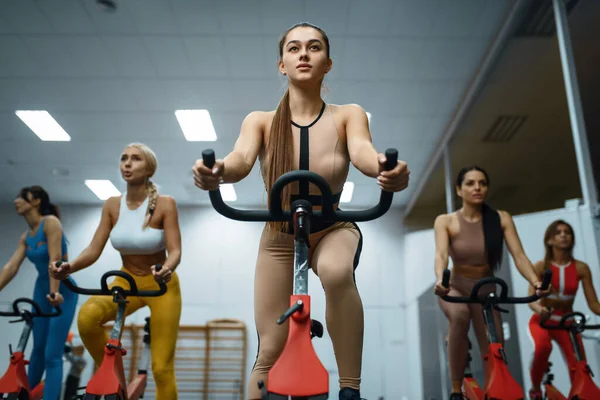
(114, 78)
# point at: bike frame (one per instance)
(582, 386)
(109, 380)
(499, 383)
(14, 383)
(298, 370)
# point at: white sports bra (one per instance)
(128, 237)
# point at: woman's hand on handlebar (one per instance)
(440, 289)
(164, 275)
(539, 292)
(61, 272)
(393, 180)
(55, 299)
(206, 178)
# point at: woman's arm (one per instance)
(535, 306)
(91, 253)
(12, 266)
(54, 234)
(585, 275)
(516, 249)
(442, 241)
(360, 144)
(172, 233)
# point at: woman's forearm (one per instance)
(235, 167)
(173, 260)
(85, 259)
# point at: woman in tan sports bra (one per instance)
(306, 133)
(473, 237)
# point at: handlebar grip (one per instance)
(446, 279)
(158, 267)
(391, 159)
(546, 280)
(208, 157)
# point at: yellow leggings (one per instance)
(164, 324)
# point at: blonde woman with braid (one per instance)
(143, 226)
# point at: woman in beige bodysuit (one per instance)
(306, 133)
(473, 237)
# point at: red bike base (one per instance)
(583, 387)
(109, 379)
(298, 371)
(499, 383)
(15, 380)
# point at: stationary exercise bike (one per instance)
(109, 382)
(14, 384)
(499, 384)
(298, 373)
(583, 386)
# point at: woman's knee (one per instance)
(459, 319)
(335, 276)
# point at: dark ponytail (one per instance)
(38, 192)
(490, 219)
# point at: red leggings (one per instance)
(542, 339)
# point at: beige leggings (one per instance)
(333, 256)
(460, 317)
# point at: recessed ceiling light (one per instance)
(103, 189)
(347, 192)
(228, 192)
(196, 125)
(43, 125)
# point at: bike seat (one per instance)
(316, 329)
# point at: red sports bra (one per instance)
(565, 281)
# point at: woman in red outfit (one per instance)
(567, 273)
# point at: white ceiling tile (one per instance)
(24, 16)
(130, 56)
(449, 97)
(261, 94)
(245, 57)
(331, 15)
(67, 16)
(217, 94)
(239, 18)
(52, 56)
(400, 58)
(195, 17)
(362, 58)
(169, 56)
(149, 94)
(413, 19)
(5, 27)
(370, 17)
(91, 55)
(450, 59)
(182, 94)
(152, 16)
(207, 56)
(277, 16)
(457, 18)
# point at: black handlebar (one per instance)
(105, 291)
(275, 211)
(501, 299)
(577, 325)
(36, 312)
